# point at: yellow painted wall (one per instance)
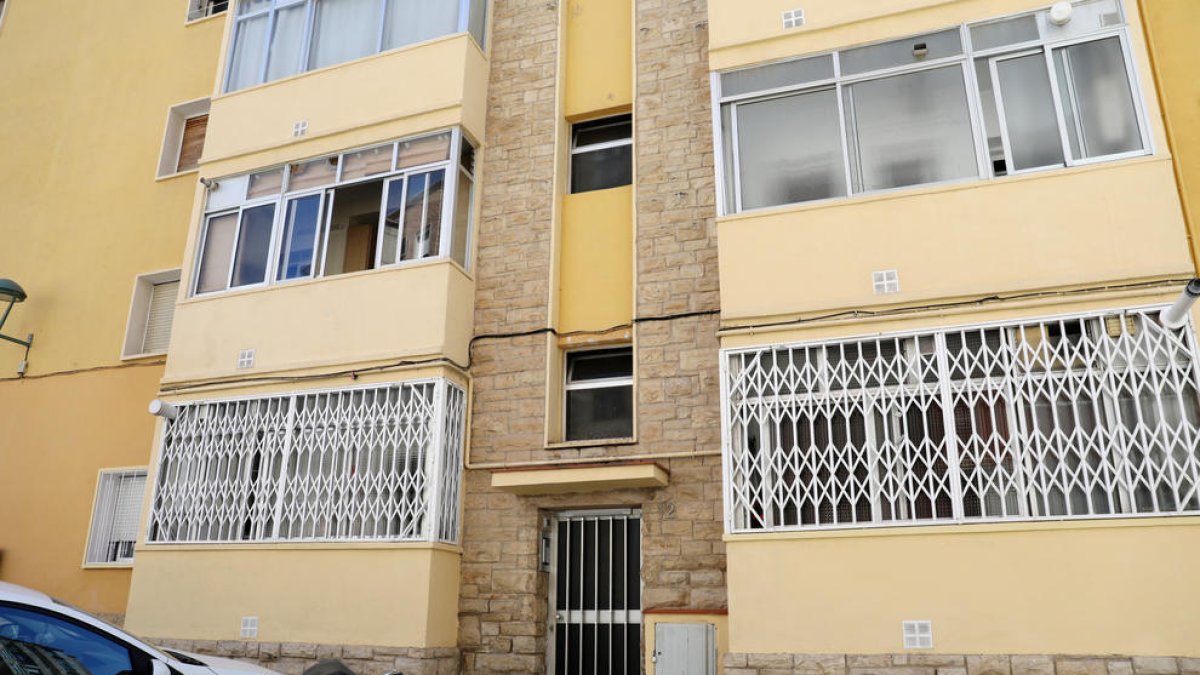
(1170, 28)
(426, 84)
(651, 620)
(56, 434)
(396, 595)
(1100, 587)
(412, 311)
(1106, 222)
(599, 58)
(596, 274)
(81, 214)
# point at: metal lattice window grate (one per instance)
(1079, 417)
(377, 463)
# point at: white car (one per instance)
(43, 636)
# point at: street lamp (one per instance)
(12, 292)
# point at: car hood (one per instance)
(220, 666)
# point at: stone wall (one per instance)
(917, 663)
(292, 658)
(503, 609)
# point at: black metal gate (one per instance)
(597, 594)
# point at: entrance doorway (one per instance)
(596, 593)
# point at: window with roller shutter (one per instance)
(115, 516)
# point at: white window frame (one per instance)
(731, 184)
(139, 312)
(112, 474)
(199, 10)
(450, 166)
(272, 11)
(606, 383)
(177, 117)
(595, 147)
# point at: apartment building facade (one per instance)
(608, 337)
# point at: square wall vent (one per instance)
(300, 128)
(245, 359)
(249, 627)
(793, 18)
(918, 634)
(885, 282)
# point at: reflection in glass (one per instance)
(300, 237)
(254, 245)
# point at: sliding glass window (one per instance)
(277, 38)
(976, 101)
(360, 210)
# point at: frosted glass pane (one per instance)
(245, 67)
(790, 150)
(910, 130)
(1095, 90)
(477, 24)
(218, 247)
(901, 52)
(410, 21)
(777, 75)
(287, 42)
(344, 30)
(1029, 114)
(1008, 32)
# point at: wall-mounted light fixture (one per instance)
(12, 293)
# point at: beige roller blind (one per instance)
(159, 317)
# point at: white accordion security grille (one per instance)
(1074, 417)
(369, 463)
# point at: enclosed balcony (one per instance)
(287, 80)
(337, 260)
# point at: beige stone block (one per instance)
(819, 664)
(1026, 664)
(769, 661)
(937, 660)
(741, 671)
(1189, 666)
(988, 664)
(302, 650)
(508, 663)
(1155, 665)
(868, 660)
(1120, 667)
(1081, 666)
(893, 670)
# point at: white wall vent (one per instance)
(918, 634)
(885, 282)
(300, 128)
(249, 627)
(793, 18)
(245, 359)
